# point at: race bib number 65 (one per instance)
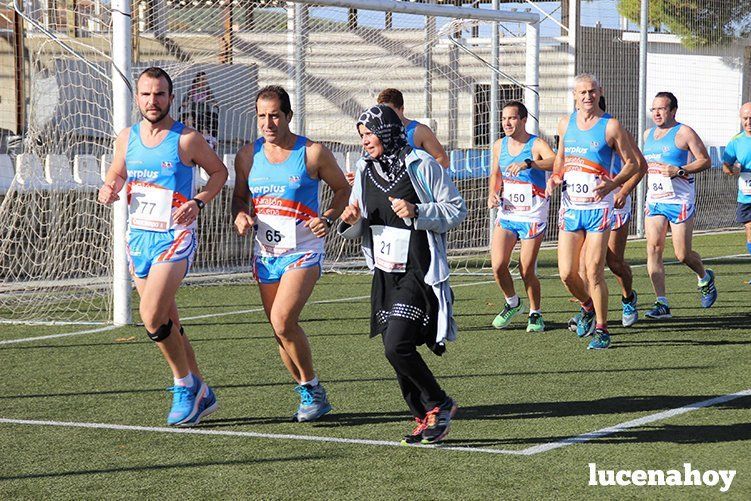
(276, 234)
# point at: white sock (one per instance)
(704, 279)
(185, 381)
(313, 382)
(539, 312)
(513, 301)
(663, 300)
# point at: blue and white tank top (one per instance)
(663, 151)
(284, 197)
(158, 182)
(410, 129)
(588, 159)
(523, 198)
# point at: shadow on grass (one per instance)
(389, 379)
(176, 466)
(679, 434)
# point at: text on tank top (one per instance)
(284, 197)
(588, 160)
(523, 197)
(661, 152)
(158, 182)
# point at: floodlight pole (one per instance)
(494, 84)
(121, 108)
(643, 47)
(532, 69)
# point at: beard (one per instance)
(163, 114)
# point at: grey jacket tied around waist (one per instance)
(441, 208)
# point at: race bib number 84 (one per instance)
(150, 207)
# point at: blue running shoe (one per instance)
(658, 311)
(184, 403)
(207, 404)
(314, 403)
(629, 315)
(600, 341)
(573, 321)
(708, 291)
(586, 325)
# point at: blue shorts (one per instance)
(269, 270)
(675, 213)
(147, 248)
(743, 213)
(589, 220)
(621, 218)
(522, 230)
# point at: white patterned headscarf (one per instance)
(386, 125)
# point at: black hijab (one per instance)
(386, 125)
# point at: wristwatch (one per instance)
(528, 161)
(681, 172)
(200, 203)
(329, 222)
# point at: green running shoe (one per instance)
(535, 323)
(502, 320)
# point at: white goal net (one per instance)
(56, 242)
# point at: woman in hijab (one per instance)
(402, 204)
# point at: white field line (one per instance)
(530, 451)
(250, 434)
(54, 336)
(635, 423)
(198, 317)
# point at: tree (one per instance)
(696, 22)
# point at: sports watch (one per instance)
(681, 172)
(528, 162)
(200, 203)
(329, 222)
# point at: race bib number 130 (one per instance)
(744, 183)
(580, 186)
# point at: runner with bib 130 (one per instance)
(588, 144)
(668, 148)
(276, 192)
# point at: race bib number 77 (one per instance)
(150, 207)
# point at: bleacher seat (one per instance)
(7, 172)
(352, 158)
(104, 165)
(229, 161)
(30, 173)
(340, 160)
(58, 172)
(87, 172)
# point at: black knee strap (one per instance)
(161, 333)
